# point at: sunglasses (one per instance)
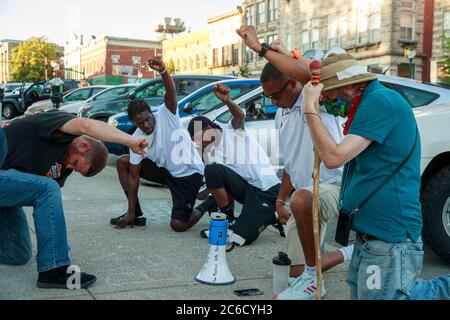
(278, 94)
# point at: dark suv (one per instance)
(152, 92)
(17, 103)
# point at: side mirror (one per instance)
(132, 95)
(187, 108)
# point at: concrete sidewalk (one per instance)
(154, 262)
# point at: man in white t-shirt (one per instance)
(237, 168)
(171, 159)
(296, 147)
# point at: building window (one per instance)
(136, 60)
(447, 23)
(250, 15)
(115, 58)
(343, 29)
(197, 62)
(408, 4)
(288, 41)
(248, 54)
(273, 10)
(332, 31)
(304, 36)
(261, 12)
(315, 33)
(363, 22)
(403, 70)
(375, 21)
(215, 61)
(407, 26)
(235, 59)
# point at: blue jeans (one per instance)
(18, 189)
(390, 271)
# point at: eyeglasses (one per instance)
(278, 94)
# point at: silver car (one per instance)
(109, 93)
(260, 111)
(80, 94)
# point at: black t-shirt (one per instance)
(35, 145)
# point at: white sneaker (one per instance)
(291, 281)
(303, 288)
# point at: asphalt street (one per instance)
(154, 262)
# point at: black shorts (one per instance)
(184, 190)
(258, 207)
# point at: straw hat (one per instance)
(340, 70)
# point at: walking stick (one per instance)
(315, 80)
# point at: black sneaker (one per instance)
(138, 221)
(204, 233)
(59, 279)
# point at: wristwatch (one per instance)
(264, 48)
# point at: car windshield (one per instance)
(208, 100)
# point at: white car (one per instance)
(80, 94)
(431, 105)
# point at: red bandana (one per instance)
(354, 108)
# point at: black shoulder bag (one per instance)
(345, 217)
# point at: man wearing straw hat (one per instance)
(282, 81)
(379, 197)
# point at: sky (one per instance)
(58, 19)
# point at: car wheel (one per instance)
(203, 192)
(435, 200)
(9, 111)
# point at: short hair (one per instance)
(97, 156)
(270, 73)
(137, 106)
(204, 121)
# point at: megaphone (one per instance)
(215, 271)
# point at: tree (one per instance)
(244, 71)
(171, 66)
(446, 62)
(28, 60)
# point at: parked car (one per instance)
(13, 87)
(431, 104)
(151, 91)
(107, 94)
(16, 104)
(197, 102)
(80, 94)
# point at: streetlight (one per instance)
(411, 53)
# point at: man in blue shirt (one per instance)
(381, 134)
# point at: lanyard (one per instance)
(354, 107)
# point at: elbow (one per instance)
(333, 162)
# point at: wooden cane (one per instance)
(315, 80)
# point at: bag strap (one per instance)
(389, 177)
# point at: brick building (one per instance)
(110, 60)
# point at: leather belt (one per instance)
(363, 237)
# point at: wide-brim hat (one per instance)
(341, 70)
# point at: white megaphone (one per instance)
(215, 271)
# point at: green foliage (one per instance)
(445, 62)
(244, 71)
(28, 60)
(171, 66)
